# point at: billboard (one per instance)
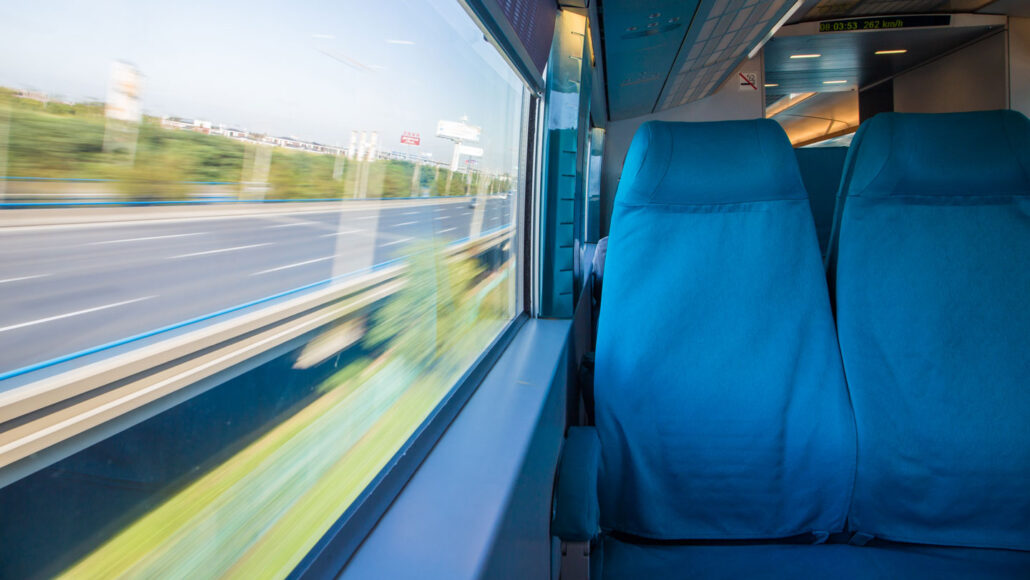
(457, 131)
(123, 93)
(411, 138)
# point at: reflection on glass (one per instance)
(170, 170)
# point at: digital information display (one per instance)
(885, 23)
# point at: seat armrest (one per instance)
(577, 511)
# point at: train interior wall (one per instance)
(973, 78)
(730, 101)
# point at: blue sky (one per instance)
(314, 70)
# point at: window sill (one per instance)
(480, 502)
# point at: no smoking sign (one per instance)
(748, 81)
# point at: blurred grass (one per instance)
(257, 514)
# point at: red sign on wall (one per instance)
(410, 138)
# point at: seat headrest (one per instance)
(983, 153)
(709, 163)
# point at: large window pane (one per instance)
(337, 181)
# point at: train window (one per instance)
(246, 250)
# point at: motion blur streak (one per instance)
(241, 262)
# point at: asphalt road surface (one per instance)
(68, 288)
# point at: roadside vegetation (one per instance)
(66, 141)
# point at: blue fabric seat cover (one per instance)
(624, 561)
(821, 169)
(721, 405)
(933, 311)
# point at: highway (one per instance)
(66, 288)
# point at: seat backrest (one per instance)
(821, 169)
(721, 405)
(933, 312)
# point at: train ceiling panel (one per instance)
(1019, 8)
(825, 9)
(641, 39)
(720, 36)
(801, 59)
(660, 54)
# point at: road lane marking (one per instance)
(395, 242)
(290, 225)
(20, 278)
(76, 313)
(410, 213)
(15, 229)
(288, 266)
(443, 217)
(367, 217)
(219, 251)
(406, 223)
(447, 230)
(343, 233)
(146, 238)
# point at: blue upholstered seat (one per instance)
(721, 406)
(933, 311)
(624, 561)
(725, 437)
(821, 168)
